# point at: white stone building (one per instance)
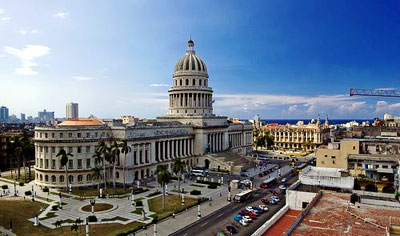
(189, 130)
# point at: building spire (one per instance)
(190, 45)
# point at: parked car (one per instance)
(241, 213)
(243, 223)
(276, 198)
(273, 201)
(247, 218)
(249, 208)
(244, 211)
(282, 187)
(259, 210)
(263, 207)
(283, 180)
(237, 218)
(231, 229)
(252, 216)
(265, 200)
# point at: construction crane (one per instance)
(375, 92)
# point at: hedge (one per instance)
(92, 218)
(46, 189)
(212, 186)
(4, 186)
(28, 193)
(154, 194)
(208, 182)
(21, 184)
(195, 192)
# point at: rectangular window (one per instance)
(69, 135)
(70, 149)
(87, 148)
(87, 163)
(53, 135)
(45, 135)
(46, 164)
(79, 163)
(333, 157)
(70, 164)
(40, 135)
(41, 149)
(79, 135)
(79, 150)
(354, 147)
(95, 134)
(53, 164)
(46, 149)
(53, 149)
(87, 135)
(385, 166)
(61, 135)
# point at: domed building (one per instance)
(190, 130)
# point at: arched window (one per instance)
(62, 178)
(187, 65)
(53, 179)
(187, 82)
(180, 83)
(71, 179)
(88, 178)
(80, 178)
(41, 177)
(194, 82)
(46, 178)
(199, 82)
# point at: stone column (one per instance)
(158, 150)
(176, 148)
(166, 150)
(153, 152)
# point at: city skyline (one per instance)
(281, 60)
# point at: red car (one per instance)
(265, 200)
(244, 211)
(263, 186)
(251, 215)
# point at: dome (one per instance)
(190, 62)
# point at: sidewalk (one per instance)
(184, 219)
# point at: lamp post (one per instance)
(15, 189)
(92, 202)
(183, 199)
(198, 211)
(155, 229)
(59, 194)
(229, 193)
(87, 227)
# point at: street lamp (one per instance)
(15, 189)
(87, 227)
(183, 199)
(198, 211)
(92, 202)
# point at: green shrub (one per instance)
(212, 186)
(154, 194)
(208, 182)
(195, 192)
(139, 203)
(54, 208)
(28, 193)
(139, 190)
(4, 186)
(21, 184)
(46, 189)
(92, 218)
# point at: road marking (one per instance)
(220, 215)
(203, 224)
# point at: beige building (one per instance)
(294, 137)
(190, 130)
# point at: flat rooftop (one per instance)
(321, 172)
(329, 217)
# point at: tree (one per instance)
(124, 149)
(78, 222)
(307, 144)
(96, 175)
(115, 152)
(177, 168)
(64, 156)
(163, 178)
(260, 141)
(269, 140)
(58, 224)
(102, 152)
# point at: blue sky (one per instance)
(279, 59)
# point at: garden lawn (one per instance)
(172, 204)
(20, 211)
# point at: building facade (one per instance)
(72, 110)
(190, 131)
(4, 114)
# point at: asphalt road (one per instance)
(216, 222)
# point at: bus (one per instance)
(243, 196)
(300, 167)
(267, 183)
(198, 172)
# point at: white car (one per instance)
(249, 208)
(247, 218)
(263, 207)
(283, 180)
(243, 222)
(282, 187)
(275, 198)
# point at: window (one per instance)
(53, 178)
(95, 134)
(46, 164)
(53, 164)
(180, 82)
(199, 82)
(61, 135)
(384, 166)
(88, 178)
(46, 149)
(326, 155)
(70, 164)
(70, 149)
(52, 135)
(41, 149)
(71, 179)
(45, 135)
(79, 163)
(80, 178)
(40, 135)
(69, 135)
(354, 147)
(87, 163)
(53, 149)
(87, 148)
(194, 82)
(333, 157)
(62, 178)
(187, 82)
(87, 135)
(79, 149)
(79, 135)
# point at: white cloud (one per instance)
(25, 32)
(159, 85)
(27, 55)
(5, 18)
(351, 107)
(61, 15)
(82, 78)
(1, 11)
(383, 106)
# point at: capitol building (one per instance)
(190, 130)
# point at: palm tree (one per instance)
(124, 149)
(115, 152)
(177, 168)
(163, 178)
(96, 175)
(64, 156)
(102, 151)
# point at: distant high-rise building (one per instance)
(45, 115)
(4, 114)
(22, 117)
(72, 110)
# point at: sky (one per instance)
(279, 59)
